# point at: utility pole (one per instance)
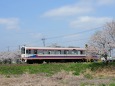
(19, 47)
(43, 39)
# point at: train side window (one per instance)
(35, 51)
(58, 51)
(81, 52)
(45, 52)
(52, 52)
(75, 52)
(49, 52)
(29, 51)
(40, 52)
(72, 52)
(66, 52)
(62, 51)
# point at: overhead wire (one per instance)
(73, 33)
(61, 36)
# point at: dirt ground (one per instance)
(59, 79)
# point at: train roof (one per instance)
(54, 48)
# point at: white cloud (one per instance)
(9, 23)
(79, 8)
(105, 2)
(68, 10)
(87, 22)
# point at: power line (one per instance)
(73, 40)
(73, 33)
(60, 36)
(44, 39)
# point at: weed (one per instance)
(87, 84)
(88, 76)
(112, 84)
(7, 76)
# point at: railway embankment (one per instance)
(59, 74)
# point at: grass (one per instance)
(112, 84)
(86, 69)
(42, 68)
(52, 68)
(88, 84)
(92, 84)
(95, 66)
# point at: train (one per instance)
(54, 54)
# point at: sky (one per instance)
(61, 22)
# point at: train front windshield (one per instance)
(22, 50)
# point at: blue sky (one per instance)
(28, 21)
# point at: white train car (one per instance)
(51, 54)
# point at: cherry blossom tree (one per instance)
(103, 41)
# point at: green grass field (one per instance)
(89, 71)
(52, 68)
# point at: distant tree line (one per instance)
(10, 57)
